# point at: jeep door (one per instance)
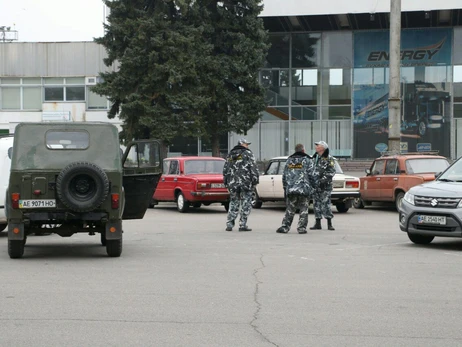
(142, 170)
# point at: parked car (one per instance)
(345, 188)
(192, 181)
(434, 208)
(6, 147)
(391, 176)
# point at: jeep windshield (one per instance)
(203, 167)
(426, 165)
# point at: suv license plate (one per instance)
(218, 185)
(43, 203)
(441, 220)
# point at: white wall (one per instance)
(277, 8)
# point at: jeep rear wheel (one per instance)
(114, 247)
(16, 248)
(82, 186)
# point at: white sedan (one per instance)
(345, 188)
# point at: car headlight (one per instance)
(408, 197)
(460, 204)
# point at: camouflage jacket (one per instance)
(324, 170)
(298, 178)
(240, 171)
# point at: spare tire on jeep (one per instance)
(82, 186)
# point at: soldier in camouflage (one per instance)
(297, 181)
(240, 175)
(324, 171)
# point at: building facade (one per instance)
(326, 76)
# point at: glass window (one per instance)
(11, 98)
(337, 49)
(306, 50)
(203, 167)
(32, 98)
(407, 75)
(54, 94)
(363, 76)
(33, 80)
(94, 101)
(53, 80)
(457, 110)
(428, 165)
(148, 154)
(436, 74)
(457, 78)
(276, 83)
(282, 165)
(305, 113)
(10, 80)
(67, 139)
(457, 45)
(174, 169)
(336, 112)
(165, 167)
(75, 93)
(336, 87)
(377, 168)
(272, 168)
(278, 53)
(391, 168)
(305, 91)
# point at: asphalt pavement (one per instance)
(182, 280)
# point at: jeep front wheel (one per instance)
(114, 247)
(16, 248)
(82, 186)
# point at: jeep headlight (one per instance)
(408, 197)
(460, 204)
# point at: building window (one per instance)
(64, 89)
(20, 94)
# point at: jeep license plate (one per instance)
(218, 185)
(43, 203)
(440, 220)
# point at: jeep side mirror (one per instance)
(10, 152)
(368, 172)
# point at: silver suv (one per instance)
(434, 208)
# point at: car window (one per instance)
(392, 166)
(282, 165)
(272, 168)
(377, 168)
(165, 167)
(205, 166)
(427, 165)
(173, 169)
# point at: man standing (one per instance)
(240, 175)
(297, 181)
(324, 171)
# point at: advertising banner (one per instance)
(425, 97)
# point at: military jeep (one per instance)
(69, 178)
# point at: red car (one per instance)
(192, 181)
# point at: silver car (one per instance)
(434, 208)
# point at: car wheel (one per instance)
(399, 200)
(226, 206)
(15, 248)
(103, 238)
(420, 239)
(358, 203)
(82, 186)
(342, 208)
(3, 226)
(181, 204)
(256, 202)
(114, 247)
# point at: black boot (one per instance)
(317, 226)
(329, 224)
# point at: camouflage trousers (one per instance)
(322, 204)
(292, 203)
(239, 199)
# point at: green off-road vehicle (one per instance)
(69, 178)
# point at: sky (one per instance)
(53, 20)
